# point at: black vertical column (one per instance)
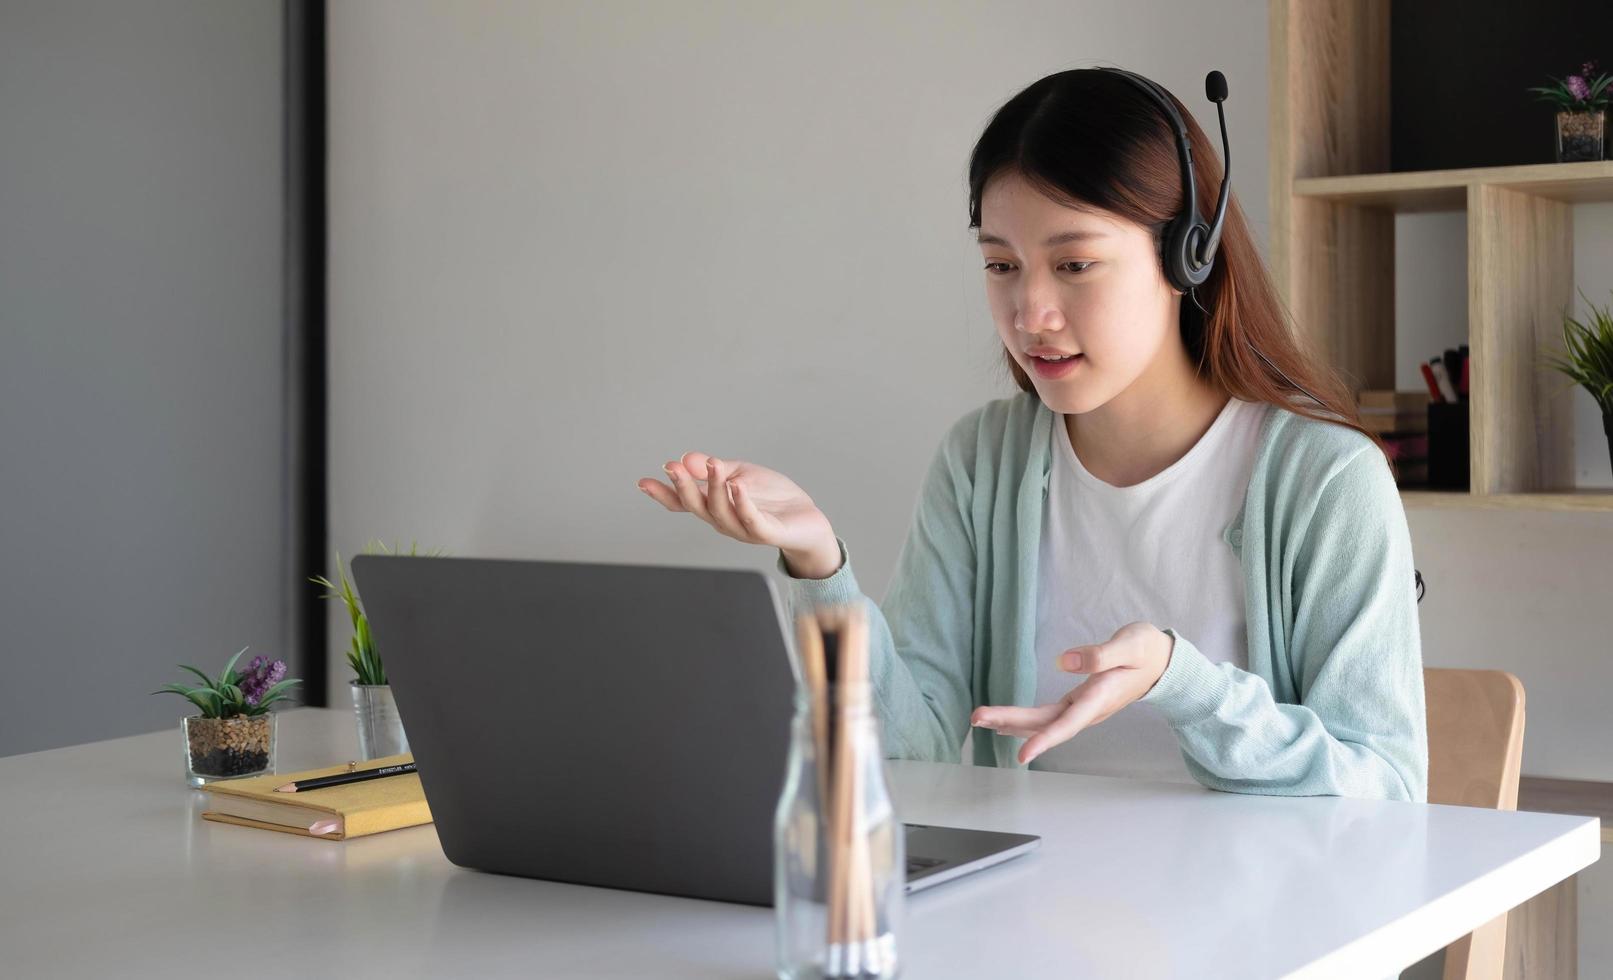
(305, 342)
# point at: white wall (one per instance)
(570, 241)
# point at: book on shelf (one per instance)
(1411, 474)
(1383, 410)
(1384, 400)
(1397, 422)
(1405, 446)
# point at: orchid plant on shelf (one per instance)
(1577, 93)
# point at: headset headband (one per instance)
(1189, 245)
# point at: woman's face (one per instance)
(1080, 282)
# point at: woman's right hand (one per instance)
(753, 504)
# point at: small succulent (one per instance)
(361, 655)
(233, 694)
(1577, 93)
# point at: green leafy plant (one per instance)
(233, 694)
(361, 655)
(1588, 358)
(1577, 93)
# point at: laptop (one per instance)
(618, 725)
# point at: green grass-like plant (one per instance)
(361, 655)
(1588, 355)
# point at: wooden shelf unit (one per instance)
(1333, 207)
(1586, 499)
(1581, 797)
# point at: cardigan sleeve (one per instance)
(920, 640)
(1361, 727)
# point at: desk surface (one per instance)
(120, 876)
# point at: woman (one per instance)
(1177, 505)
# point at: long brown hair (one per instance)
(1087, 138)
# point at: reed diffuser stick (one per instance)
(840, 824)
(856, 650)
(809, 640)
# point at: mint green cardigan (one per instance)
(1332, 700)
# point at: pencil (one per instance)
(856, 643)
(840, 797)
(320, 782)
(852, 904)
(809, 640)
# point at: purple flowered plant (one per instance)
(1578, 93)
(259, 676)
(248, 692)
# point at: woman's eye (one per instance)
(1000, 268)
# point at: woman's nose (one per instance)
(1037, 305)
(1041, 319)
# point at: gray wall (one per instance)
(140, 357)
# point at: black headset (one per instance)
(1187, 244)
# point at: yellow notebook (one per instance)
(369, 806)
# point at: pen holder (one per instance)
(840, 867)
(380, 727)
(1448, 445)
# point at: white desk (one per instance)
(121, 877)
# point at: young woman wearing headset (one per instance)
(1178, 504)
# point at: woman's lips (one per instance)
(1053, 370)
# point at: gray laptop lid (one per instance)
(545, 702)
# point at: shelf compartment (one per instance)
(1578, 499)
(1520, 268)
(1413, 191)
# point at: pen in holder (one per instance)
(840, 867)
(1448, 452)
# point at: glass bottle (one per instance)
(863, 942)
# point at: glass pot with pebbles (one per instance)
(1581, 100)
(234, 736)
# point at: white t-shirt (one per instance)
(1152, 552)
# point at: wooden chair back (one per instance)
(1475, 751)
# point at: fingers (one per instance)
(1090, 659)
(703, 492)
(1014, 730)
(745, 508)
(1003, 717)
(718, 504)
(690, 493)
(661, 494)
(1080, 713)
(1120, 650)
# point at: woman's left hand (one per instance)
(1121, 670)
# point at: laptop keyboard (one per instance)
(916, 864)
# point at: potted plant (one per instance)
(1588, 360)
(234, 736)
(380, 728)
(1581, 113)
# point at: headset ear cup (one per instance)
(1185, 248)
(1174, 246)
